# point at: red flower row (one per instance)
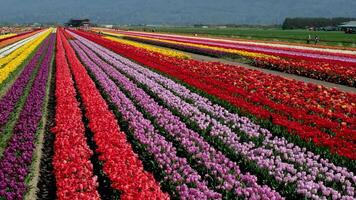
(71, 162)
(68, 36)
(304, 109)
(303, 54)
(308, 105)
(336, 71)
(332, 105)
(10, 40)
(120, 163)
(335, 110)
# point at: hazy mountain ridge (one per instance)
(172, 12)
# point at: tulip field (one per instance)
(331, 66)
(124, 115)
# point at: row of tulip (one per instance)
(200, 48)
(165, 52)
(120, 163)
(314, 110)
(288, 52)
(19, 34)
(71, 160)
(16, 91)
(28, 42)
(324, 71)
(15, 38)
(11, 40)
(9, 49)
(285, 168)
(334, 72)
(7, 35)
(226, 174)
(16, 161)
(292, 45)
(265, 96)
(26, 50)
(178, 174)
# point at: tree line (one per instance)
(299, 22)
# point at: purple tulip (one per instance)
(220, 166)
(17, 158)
(284, 167)
(177, 169)
(8, 102)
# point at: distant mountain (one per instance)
(174, 12)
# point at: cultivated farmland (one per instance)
(115, 114)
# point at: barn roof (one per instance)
(351, 24)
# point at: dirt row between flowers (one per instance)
(268, 71)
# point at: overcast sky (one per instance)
(172, 11)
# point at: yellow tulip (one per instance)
(227, 50)
(14, 54)
(6, 36)
(24, 54)
(151, 48)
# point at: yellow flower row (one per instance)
(227, 50)
(166, 52)
(7, 35)
(14, 54)
(6, 71)
(110, 33)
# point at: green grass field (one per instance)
(335, 38)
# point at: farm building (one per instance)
(78, 23)
(348, 27)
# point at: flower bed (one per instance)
(122, 166)
(270, 154)
(306, 110)
(18, 154)
(325, 70)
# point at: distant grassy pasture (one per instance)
(334, 38)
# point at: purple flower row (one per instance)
(14, 167)
(8, 102)
(184, 47)
(228, 173)
(267, 50)
(309, 179)
(177, 169)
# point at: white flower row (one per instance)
(9, 49)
